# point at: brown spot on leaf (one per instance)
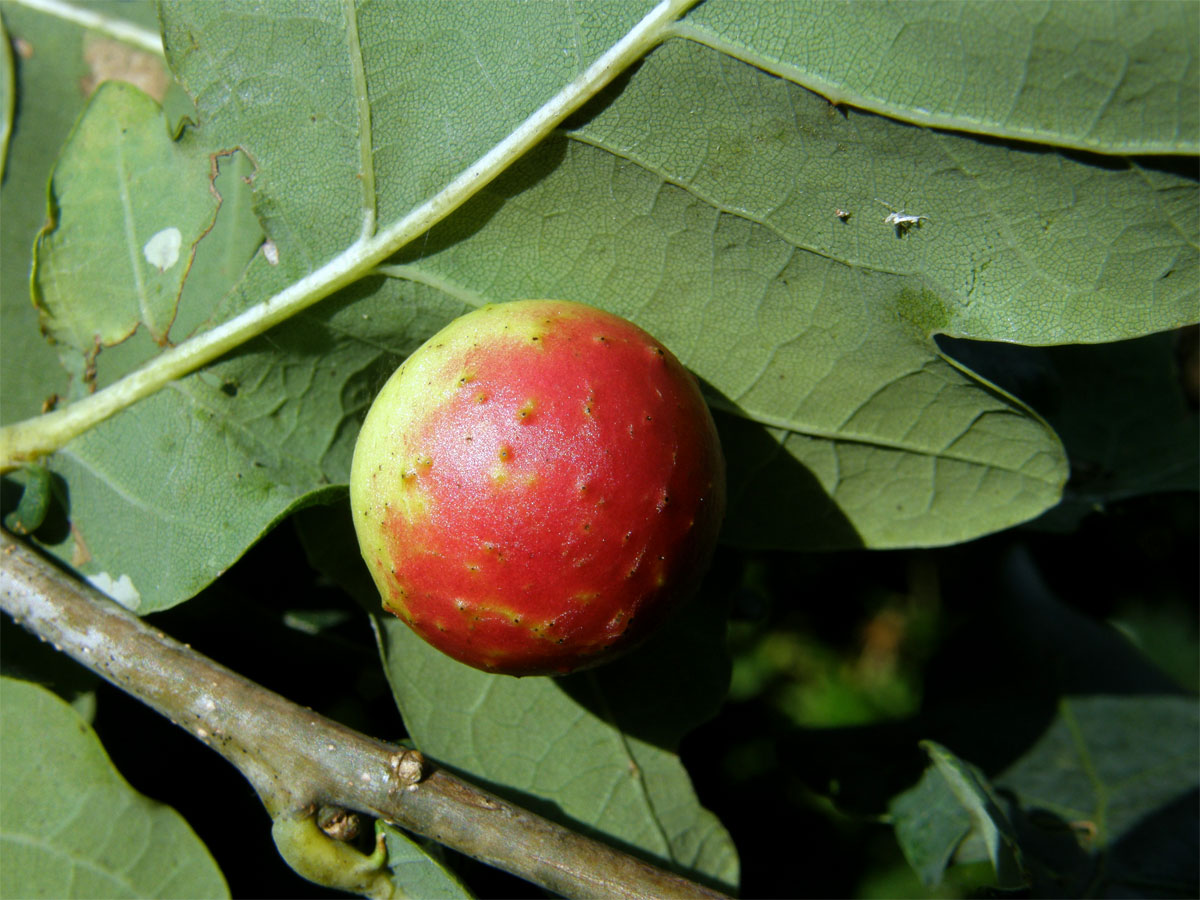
(109, 60)
(81, 554)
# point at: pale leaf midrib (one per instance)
(36, 437)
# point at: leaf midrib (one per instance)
(41, 435)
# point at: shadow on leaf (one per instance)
(773, 500)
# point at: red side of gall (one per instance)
(561, 497)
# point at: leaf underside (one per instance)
(72, 826)
(1109, 774)
(697, 196)
(713, 194)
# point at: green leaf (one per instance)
(697, 197)
(560, 750)
(1114, 77)
(72, 826)
(166, 497)
(930, 825)
(64, 54)
(49, 66)
(910, 450)
(408, 94)
(1107, 771)
(988, 821)
(417, 874)
(227, 260)
(1033, 247)
(128, 212)
(952, 805)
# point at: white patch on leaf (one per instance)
(162, 250)
(121, 589)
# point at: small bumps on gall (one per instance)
(537, 488)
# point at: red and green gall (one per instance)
(537, 487)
